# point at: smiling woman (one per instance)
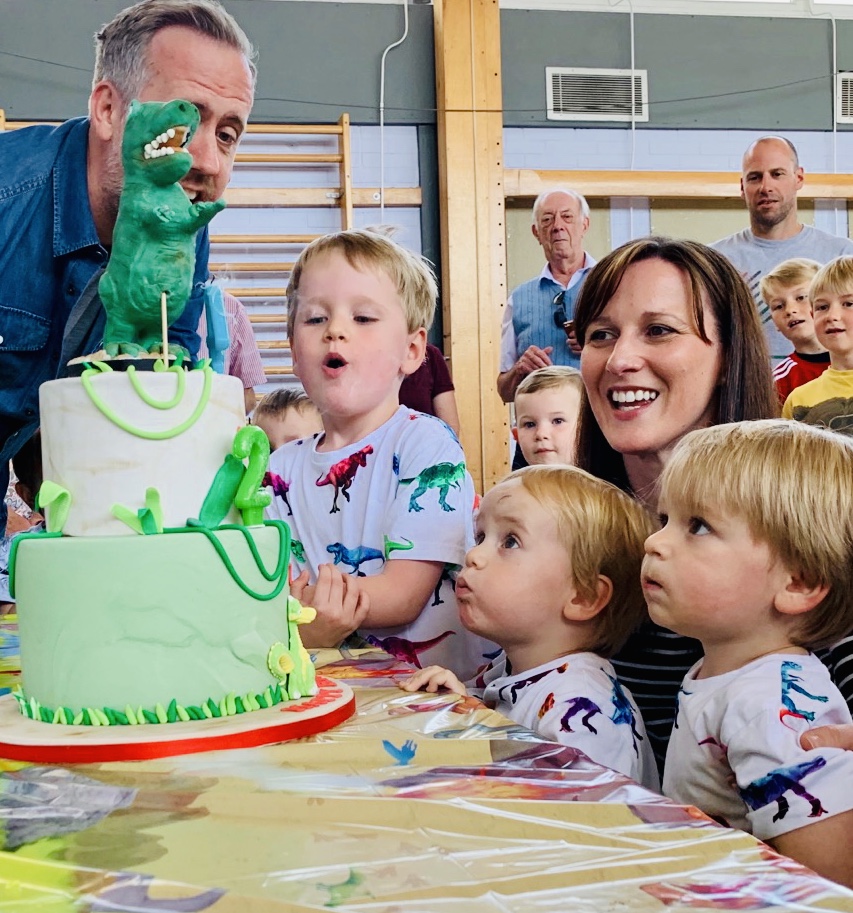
(671, 342)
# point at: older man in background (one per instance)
(537, 324)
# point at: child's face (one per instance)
(351, 346)
(833, 322)
(707, 577)
(518, 576)
(791, 311)
(546, 424)
(292, 426)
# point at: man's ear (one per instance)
(742, 194)
(800, 175)
(415, 352)
(106, 110)
(535, 229)
(797, 596)
(584, 608)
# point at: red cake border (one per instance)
(22, 739)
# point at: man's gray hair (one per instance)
(121, 45)
(537, 203)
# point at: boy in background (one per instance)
(554, 579)
(380, 502)
(786, 291)
(287, 415)
(547, 404)
(825, 401)
(754, 561)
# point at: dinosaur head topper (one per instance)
(153, 250)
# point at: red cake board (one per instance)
(23, 739)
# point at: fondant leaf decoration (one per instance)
(59, 500)
(154, 505)
(128, 517)
(223, 489)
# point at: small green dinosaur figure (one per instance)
(300, 682)
(441, 476)
(154, 237)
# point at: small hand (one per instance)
(432, 679)
(341, 605)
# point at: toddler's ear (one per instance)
(582, 608)
(797, 596)
(415, 351)
(514, 433)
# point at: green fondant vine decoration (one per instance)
(279, 575)
(159, 368)
(59, 500)
(109, 413)
(251, 499)
(16, 544)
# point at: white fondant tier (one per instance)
(101, 463)
(118, 621)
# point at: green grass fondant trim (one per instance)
(230, 705)
(109, 413)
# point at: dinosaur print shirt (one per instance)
(735, 750)
(575, 700)
(402, 492)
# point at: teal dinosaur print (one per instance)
(442, 476)
(154, 237)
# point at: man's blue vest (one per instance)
(533, 318)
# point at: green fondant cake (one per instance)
(157, 595)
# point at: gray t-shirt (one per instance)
(753, 257)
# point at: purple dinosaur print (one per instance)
(407, 650)
(130, 892)
(515, 687)
(773, 786)
(580, 705)
(280, 488)
(342, 474)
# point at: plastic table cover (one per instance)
(419, 804)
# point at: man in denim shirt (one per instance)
(59, 192)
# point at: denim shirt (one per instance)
(50, 261)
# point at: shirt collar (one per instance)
(588, 263)
(73, 225)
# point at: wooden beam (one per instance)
(527, 184)
(260, 197)
(473, 236)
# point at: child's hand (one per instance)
(341, 605)
(431, 679)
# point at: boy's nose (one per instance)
(474, 557)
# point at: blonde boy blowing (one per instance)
(380, 504)
(554, 579)
(754, 560)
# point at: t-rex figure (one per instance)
(154, 237)
(342, 474)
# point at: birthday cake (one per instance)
(157, 593)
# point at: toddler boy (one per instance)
(754, 560)
(286, 415)
(825, 401)
(786, 291)
(380, 503)
(547, 405)
(554, 579)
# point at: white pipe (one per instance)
(382, 110)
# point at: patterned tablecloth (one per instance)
(416, 805)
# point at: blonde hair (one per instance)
(551, 378)
(796, 271)
(603, 531)
(372, 249)
(792, 484)
(278, 403)
(834, 278)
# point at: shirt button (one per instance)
(1, 340)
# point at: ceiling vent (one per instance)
(844, 98)
(577, 93)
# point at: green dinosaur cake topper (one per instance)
(154, 238)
